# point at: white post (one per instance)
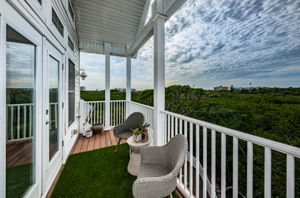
(159, 77)
(107, 91)
(128, 83)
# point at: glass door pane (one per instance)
(53, 106)
(20, 108)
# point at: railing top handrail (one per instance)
(103, 101)
(274, 145)
(24, 104)
(140, 104)
(100, 101)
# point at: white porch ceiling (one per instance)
(115, 22)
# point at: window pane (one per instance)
(20, 93)
(55, 20)
(53, 106)
(71, 108)
(71, 10)
(71, 92)
(71, 44)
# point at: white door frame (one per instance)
(51, 168)
(10, 17)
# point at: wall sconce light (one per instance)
(83, 75)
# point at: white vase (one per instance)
(137, 138)
(89, 134)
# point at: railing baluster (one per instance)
(176, 126)
(94, 112)
(290, 177)
(197, 161)
(204, 195)
(249, 170)
(213, 164)
(12, 123)
(56, 115)
(180, 132)
(103, 113)
(24, 125)
(169, 130)
(185, 163)
(118, 112)
(18, 122)
(235, 167)
(191, 159)
(172, 127)
(98, 112)
(30, 120)
(268, 173)
(223, 165)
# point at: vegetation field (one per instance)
(273, 113)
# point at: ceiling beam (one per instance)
(102, 48)
(144, 16)
(142, 38)
(162, 8)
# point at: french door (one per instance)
(21, 64)
(52, 121)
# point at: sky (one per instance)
(217, 42)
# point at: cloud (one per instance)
(211, 42)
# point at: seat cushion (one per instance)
(125, 135)
(152, 170)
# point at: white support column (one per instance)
(159, 79)
(107, 91)
(128, 83)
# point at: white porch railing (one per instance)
(119, 109)
(147, 111)
(117, 112)
(198, 148)
(19, 120)
(94, 111)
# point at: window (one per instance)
(70, 43)
(71, 92)
(71, 11)
(55, 20)
(20, 101)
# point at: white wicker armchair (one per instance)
(159, 169)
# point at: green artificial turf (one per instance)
(96, 174)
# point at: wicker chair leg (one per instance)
(117, 147)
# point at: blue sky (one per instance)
(217, 42)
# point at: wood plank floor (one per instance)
(101, 140)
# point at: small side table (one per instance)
(135, 155)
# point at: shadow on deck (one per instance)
(101, 140)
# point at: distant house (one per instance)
(121, 89)
(82, 88)
(221, 88)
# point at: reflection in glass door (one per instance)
(53, 65)
(20, 108)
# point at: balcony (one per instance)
(43, 146)
(214, 151)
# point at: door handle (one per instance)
(49, 121)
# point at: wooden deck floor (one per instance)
(101, 140)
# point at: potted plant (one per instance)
(141, 133)
(88, 133)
